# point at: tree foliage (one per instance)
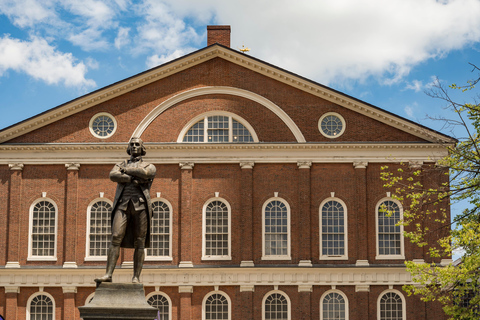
(426, 197)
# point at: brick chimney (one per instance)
(218, 34)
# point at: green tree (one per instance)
(456, 286)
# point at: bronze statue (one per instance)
(132, 209)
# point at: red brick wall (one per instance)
(131, 108)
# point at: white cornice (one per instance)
(175, 153)
(201, 56)
(83, 277)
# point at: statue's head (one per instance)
(136, 147)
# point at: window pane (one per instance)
(276, 226)
(100, 228)
(159, 230)
(161, 303)
(276, 307)
(43, 229)
(333, 307)
(216, 307)
(389, 235)
(391, 307)
(196, 133)
(333, 234)
(216, 229)
(41, 308)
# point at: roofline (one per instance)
(204, 54)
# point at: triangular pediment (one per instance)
(218, 51)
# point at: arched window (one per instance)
(41, 306)
(43, 230)
(276, 230)
(389, 235)
(99, 229)
(218, 127)
(333, 306)
(160, 231)
(276, 305)
(163, 304)
(216, 230)
(216, 306)
(391, 306)
(333, 228)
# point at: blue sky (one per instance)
(383, 52)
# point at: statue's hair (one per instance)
(144, 151)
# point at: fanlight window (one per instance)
(218, 129)
(163, 306)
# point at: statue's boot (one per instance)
(138, 258)
(112, 257)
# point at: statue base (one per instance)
(124, 301)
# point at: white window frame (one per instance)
(204, 226)
(344, 124)
(90, 297)
(400, 256)
(404, 307)
(88, 257)
(30, 230)
(106, 114)
(164, 295)
(347, 312)
(169, 257)
(40, 293)
(204, 117)
(288, 256)
(289, 304)
(217, 292)
(345, 228)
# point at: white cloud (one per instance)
(122, 38)
(155, 60)
(26, 13)
(41, 61)
(409, 111)
(415, 85)
(342, 39)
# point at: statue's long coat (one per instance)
(117, 176)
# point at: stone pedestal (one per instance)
(124, 301)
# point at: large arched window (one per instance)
(333, 306)
(163, 304)
(389, 235)
(218, 127)
(41, 306)
(43, 230)
(216, 230)
(276, 306)
(391, 306)
(276, 230)
(216, 305)
(333, 230)
(160, 231)
(99, 229)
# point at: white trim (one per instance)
(88, 257)
(30, 229)
(229, 208)
(106, 114)
(156, 292)
(404, 307)
(344, 124)
(219, 90)
(216, 291)
(400, 256)
(90, 297)
(329, 275)
(39, 293)
(347, 311)
(289, 304)
(277, 257)
(204, 117)
(170, 235)
(345, 226)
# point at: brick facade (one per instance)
(63, 162)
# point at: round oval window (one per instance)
(331, 125)
(103, 125)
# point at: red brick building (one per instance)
(266, 198)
